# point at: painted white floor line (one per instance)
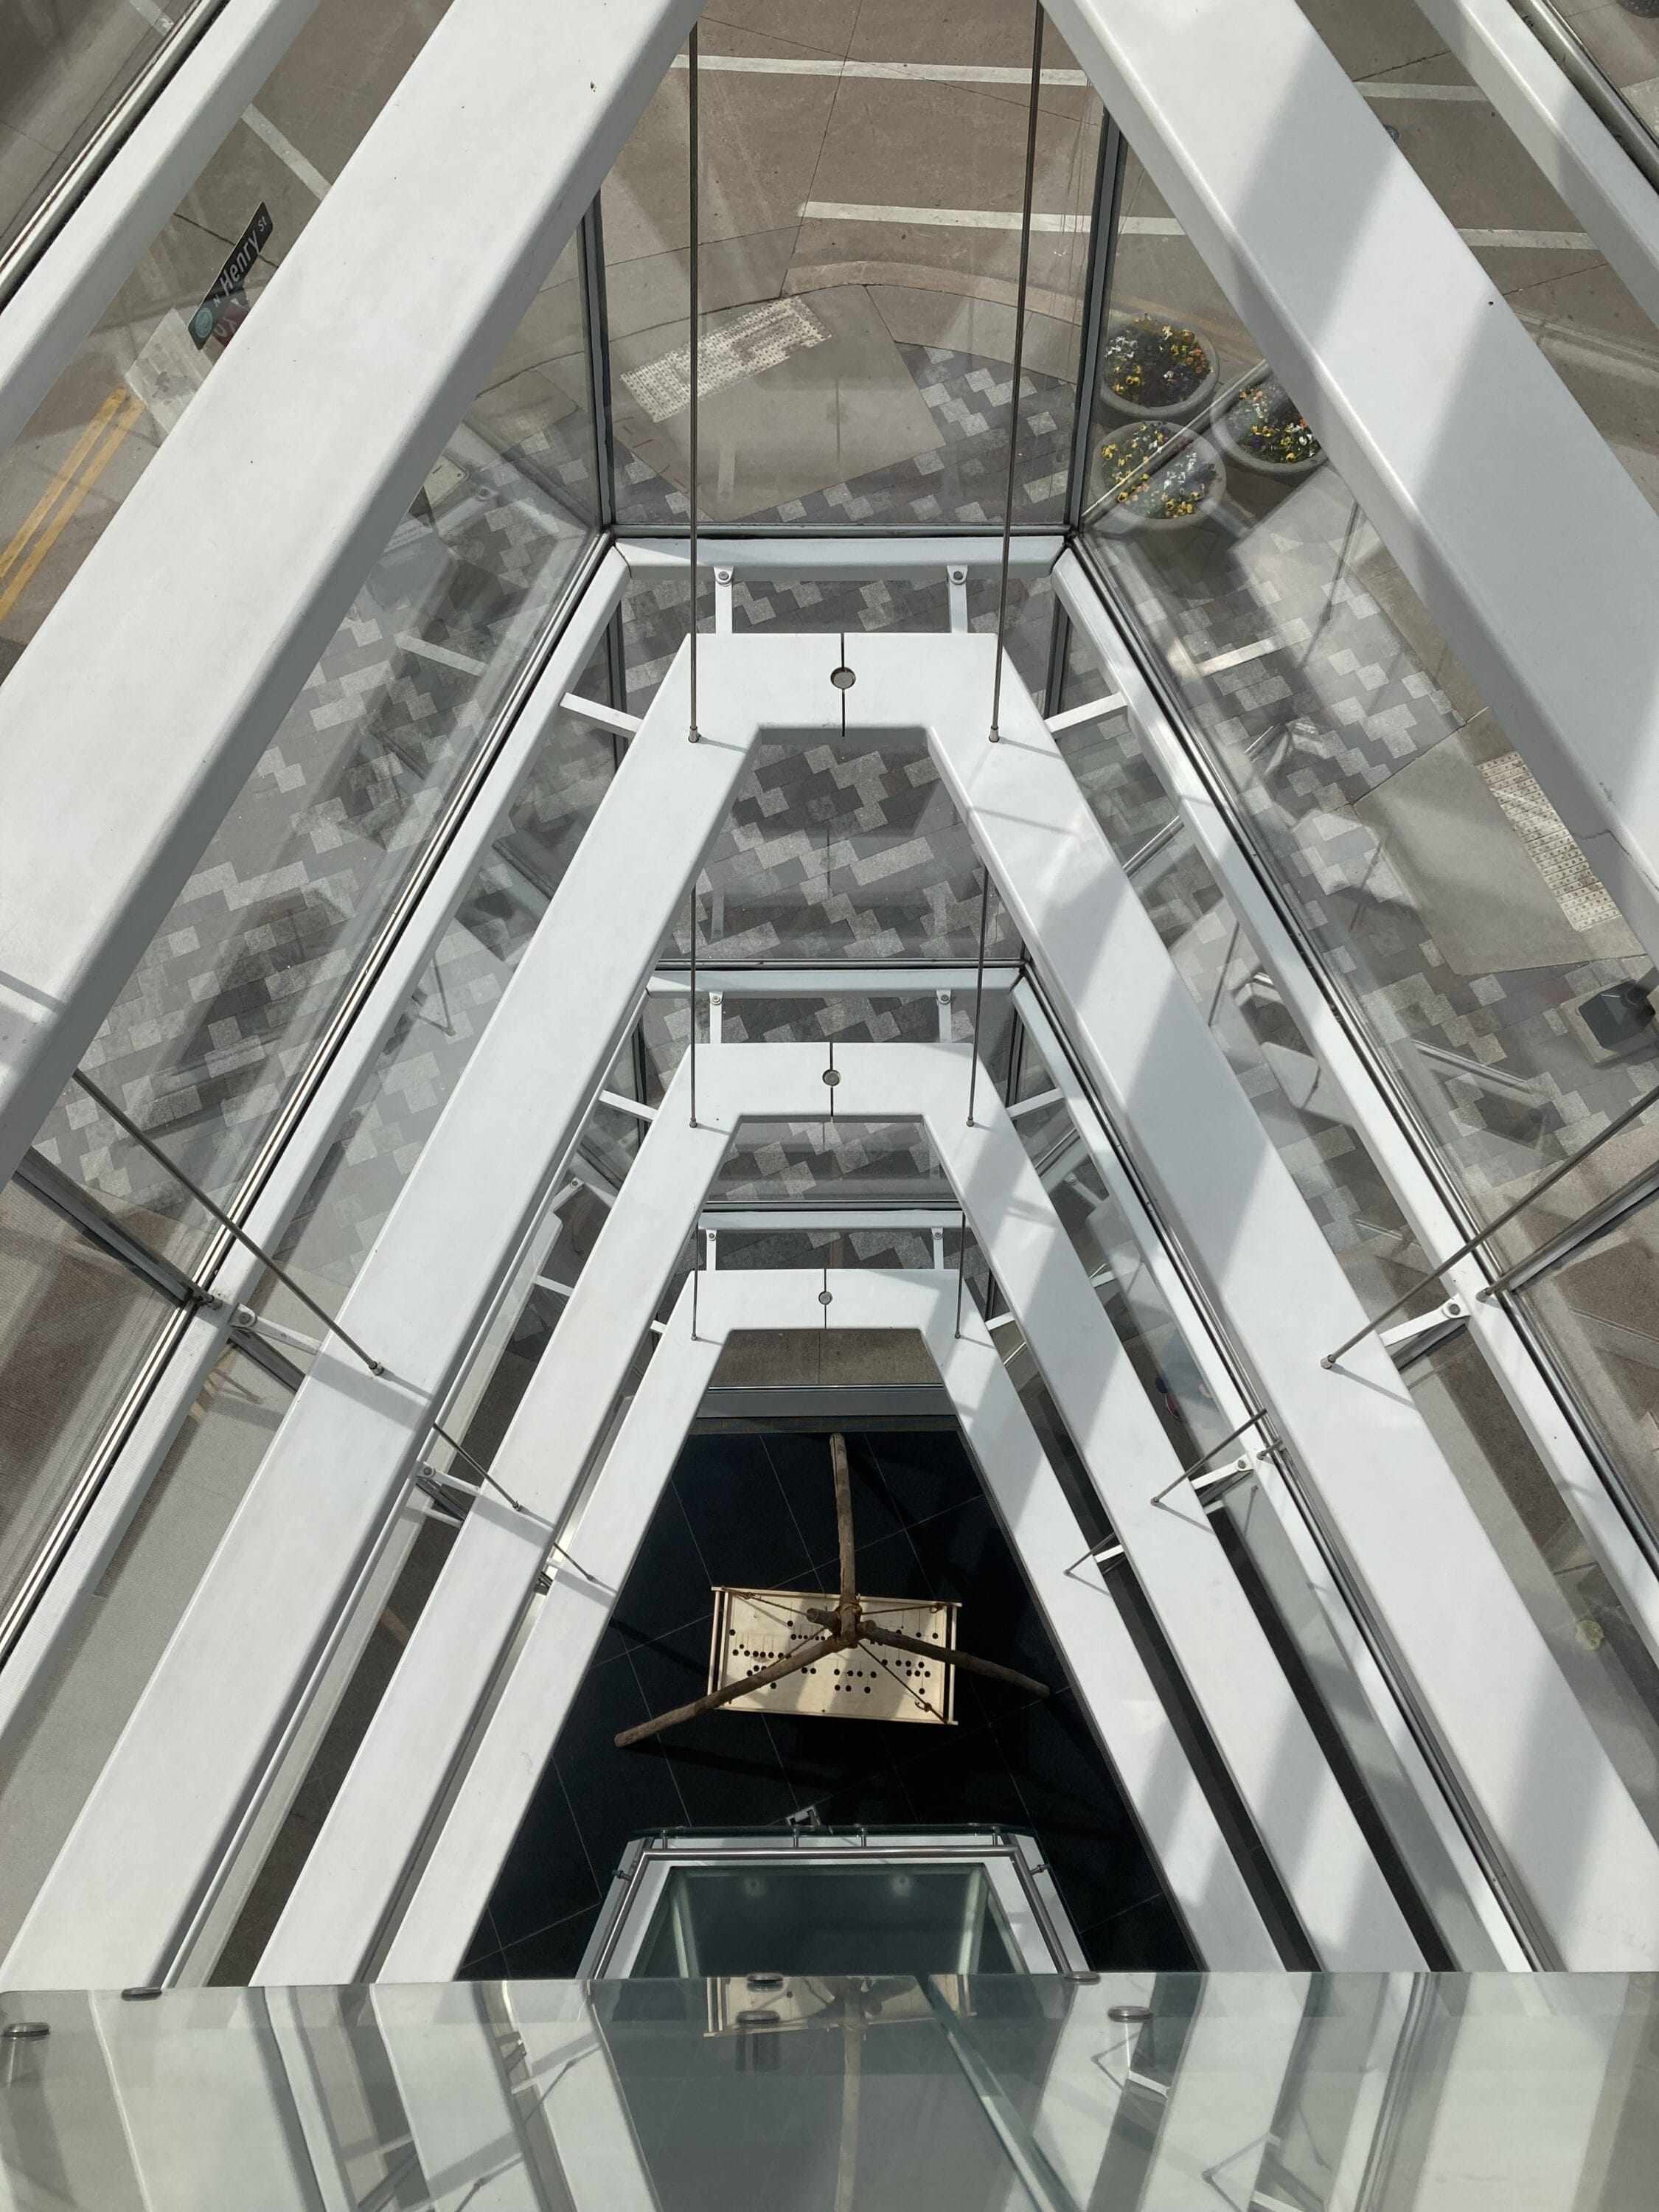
(261, 125)
(969, 73)
(286, 151)
(900, 72)
(1068, 226)
(1133, 226)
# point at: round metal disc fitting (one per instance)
(842, 677)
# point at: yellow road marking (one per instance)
(48, 498)
(66, 512)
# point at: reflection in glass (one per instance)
(49, 1765)
(826, 1920)
(76, 1325)
(859, 253)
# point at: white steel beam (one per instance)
(1261, 1731)
(1562, 133)
(136, 714)
(193, 1767)
(1422, 386)
(1450, 1878)
(1437, 1229)
(806, 559)
(329, 1926)
(1100, 1659)
(100, 242)
(1219, 2114)
(1586, 1859)
(464, 2121)
(27, 1666)
(253, 2153)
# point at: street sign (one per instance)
(226, 305)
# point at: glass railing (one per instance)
(1030, 2094)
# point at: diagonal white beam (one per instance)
(98, 244)
(1557, 1443)
(193, 1763)
(1422, 386)
(328, 1928)
(137, 713)
(30, 1663)
(1099, 1657)
(1566, 137)
(1522, 1743)
(464, 2125)
(1261, 1732)
(1219, 2113)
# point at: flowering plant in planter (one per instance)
(1153, 368)
(1262, 426)
(1141, 488)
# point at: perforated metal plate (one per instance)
(754, 1629)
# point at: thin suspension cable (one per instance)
(328, 1320)
(1632, 1113)
(139, 1137)
(979, 986)
(694, 1002)
(695, 334)
(1019, 360)
(961, 1269)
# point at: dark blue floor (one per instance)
(759, 1510)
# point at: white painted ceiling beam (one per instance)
(139, 712)
(28, 1668)
(1423, 386)
(351, 1879)
(1260, 1730)
(1521, 1742)
(192, 1764)
(1374, 1117)
(1099, 1656)
(1562, 133)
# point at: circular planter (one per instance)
(1238, 448)
(1171, 340)
(1139, 512)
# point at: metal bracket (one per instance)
(956, 577)
(1424, 1324)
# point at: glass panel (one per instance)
(980, 2094)
(1309, 1123)
(859, 218)
(1548, 1560)
(75, 1327)
(61, 72)
(1599, 1312)
(217, 1030)
(422, 1059)
(1434, 881)
(892, 1919)
(52, 1763)
(91, 438)
(1595, 337)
